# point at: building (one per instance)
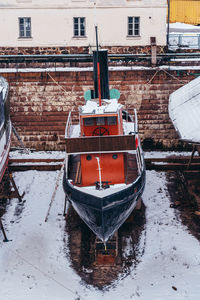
(70, 23)
(185, 11)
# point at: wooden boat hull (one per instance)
(105, 215)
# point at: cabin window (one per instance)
(24, 27)
(79, 27)
(111, 120)
(115, 156)
(88, 157)
(133, 26)
(89, 121)
(100, 121)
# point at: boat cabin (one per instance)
(100, 150)
(111, 165)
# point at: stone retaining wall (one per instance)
(39, 106)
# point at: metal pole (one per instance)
(64, 212)
(98, 66)
(168, 21)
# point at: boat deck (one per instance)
(130, 170)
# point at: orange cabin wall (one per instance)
(112, 170)
(88, 130)
(113, 129)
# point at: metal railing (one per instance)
(184, 40)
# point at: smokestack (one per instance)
(104, 82)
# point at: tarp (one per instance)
(184, 111)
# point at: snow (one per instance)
(89, 107)
(165, 154)
(36, 264)
(113, 106)
(118, 68)
(37, 154)
(183, 26)
(92, 107)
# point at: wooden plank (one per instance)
(172, 166)
(100, 144)
(77, 172)
(34, 160)
(21, 168)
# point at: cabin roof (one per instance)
(92, 107)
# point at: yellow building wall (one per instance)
(185, 11)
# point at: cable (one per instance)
(46, 275)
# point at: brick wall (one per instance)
(76, 50)
(39, 106)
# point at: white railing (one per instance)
(73, 119)
(136, 120)
(68, 126)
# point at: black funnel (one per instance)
(104, 82)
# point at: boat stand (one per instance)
(5, 191)
(106, 253)
(196, 148)
(65, 205)
(15, 193)
(3, 231)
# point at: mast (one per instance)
(101, 81)
(98, 67)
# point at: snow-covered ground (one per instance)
(36, 265)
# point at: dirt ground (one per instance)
(184, 189)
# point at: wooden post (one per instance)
(153, 50)
(3, 231)
(64, 212)
(192, 155)
(15, 187)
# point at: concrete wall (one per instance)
(39, 106)
(52, 22)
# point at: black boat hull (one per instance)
(105, 215)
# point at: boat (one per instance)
(5, 126)
(184, 111)
(104, 173)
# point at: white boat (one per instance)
(184, 111)
(5, 126)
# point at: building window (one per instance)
(133, 26)
(25, 27)
(79, 27)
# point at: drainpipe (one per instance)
(168, 20)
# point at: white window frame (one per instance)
(133, 26)
(26, 32)
(78, 31)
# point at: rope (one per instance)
(174, 77)
(159, 70)
(62, 88)
(55, 190)
(46, 275)
(153, 76)
(19, 140)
